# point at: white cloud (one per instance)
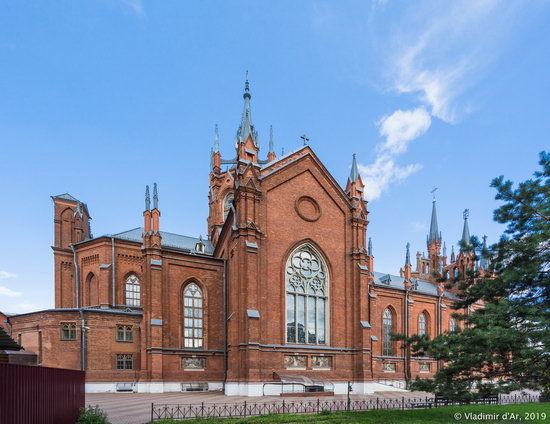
(379, 175)
(439, 62)
(5, 291)
(6, 274)
(20, 308)
(134, 6)
(401, 127)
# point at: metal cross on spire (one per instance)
(305, 138)
(466, 213)
(433, 192)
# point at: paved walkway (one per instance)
(135, 408)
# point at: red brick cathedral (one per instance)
(282, 295)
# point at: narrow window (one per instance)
(422, 324)
(133, 291)
(387, 345)
(452, 326)
(227, 202)
(192, 316)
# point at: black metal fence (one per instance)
(317, 406)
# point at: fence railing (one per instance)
(317, 406)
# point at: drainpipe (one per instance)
(438, 317)
(82, 340)
(224, 323)
(77, 276)
(113, 269)
(407, 360)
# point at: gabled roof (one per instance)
(271, 167)
(6, 342)
(66, 196)
(176, 241)
(396, 282)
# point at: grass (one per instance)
(391, 416)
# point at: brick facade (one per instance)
(136, 281)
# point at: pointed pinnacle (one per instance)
(155, 197)
(147, 199)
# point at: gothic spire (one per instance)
(155, 197)
(408, 255)
(271, 150)
(216, 139)
(369, 251)
(354, 174)
(453, 258)
(434, 235)
(247, 128)
(444, 249)
(147, 199)
(465, 230)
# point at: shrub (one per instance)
(92, 415)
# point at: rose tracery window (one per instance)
(306, 297)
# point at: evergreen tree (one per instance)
(504, 344)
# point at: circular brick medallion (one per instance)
(308, 208)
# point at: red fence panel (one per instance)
(40, 395)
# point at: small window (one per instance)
(124, 333)
(424, 367)
(124, 362)
(193, 363)
(68, 331)
(227, 203)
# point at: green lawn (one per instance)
(419, 416)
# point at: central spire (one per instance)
(246, 128)
(434, 229)
(466, 229)
(354, 174)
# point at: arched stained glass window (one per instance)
(227, 202)
(306, 297)
(387, 327)
(192, 316)
(133, 291)
(422, 324)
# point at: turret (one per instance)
(465, 240)
(271, 154)
(216, 155)
(408, 265)
(247, 136)
(355, 186)
(433, 240)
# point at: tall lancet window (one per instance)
(133, 291)
(452, 326)
(192, 316)
(227, 202)
(422, 325)
(387, 327)
(306, 297)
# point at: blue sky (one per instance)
(100, 97)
